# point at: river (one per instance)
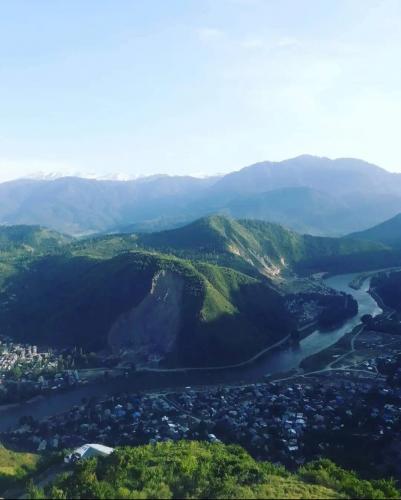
(279, 360)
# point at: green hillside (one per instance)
(201, 470)
(61, 300)
(193, 296)
(19, 245)
(387, 233)
(15, 466)
(31, 239)
(250, 245)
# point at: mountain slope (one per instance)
(193, 296)
(246, 244)
(303, 209)
(338, 177)
(31, 239)
(388, 233)
(123, 302)
(309, 194)
(20, 244)
(76, 205)
(249, 246)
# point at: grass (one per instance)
(15, 466)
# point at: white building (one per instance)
(88, 451)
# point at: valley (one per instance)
(271, 364)
(200, 249)
(238, 288)
(187, 324)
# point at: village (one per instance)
(26, 371)
(288, 422)
(353, 401)
(14, 354)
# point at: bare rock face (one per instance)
(146, 333)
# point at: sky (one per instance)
(196, 87)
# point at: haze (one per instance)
(196, 87)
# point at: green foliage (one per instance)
(237, 242)
(66, 300)
(15, 466)
(30, 239)
(69, 293)
(327, 473)
(203, 470)
(34, 492)
(249, 246)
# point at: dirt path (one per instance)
(361, 329)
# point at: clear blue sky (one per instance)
(196, 86)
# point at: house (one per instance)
(87, 451)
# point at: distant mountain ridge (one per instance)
(388, 233)
(308, 194)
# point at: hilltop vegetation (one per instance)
(32, 239)
(15, 466)
(246, 245)
(20, 244)
(257, 247)
(201, 470)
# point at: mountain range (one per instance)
(308, 194)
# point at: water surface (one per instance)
(280, 360)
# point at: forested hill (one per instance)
(209, 293)
(196, 314)
(387, 233)
(31, 239)
(252, 247)
(268, 247)
(201, 470)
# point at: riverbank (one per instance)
(224, 367)
(360, 278)
(326, 358)
(275, 361)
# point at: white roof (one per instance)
(93, 449)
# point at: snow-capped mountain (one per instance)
(49, 176)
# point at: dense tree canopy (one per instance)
(202, 470)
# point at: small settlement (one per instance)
(352, 404)
(26, 371)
